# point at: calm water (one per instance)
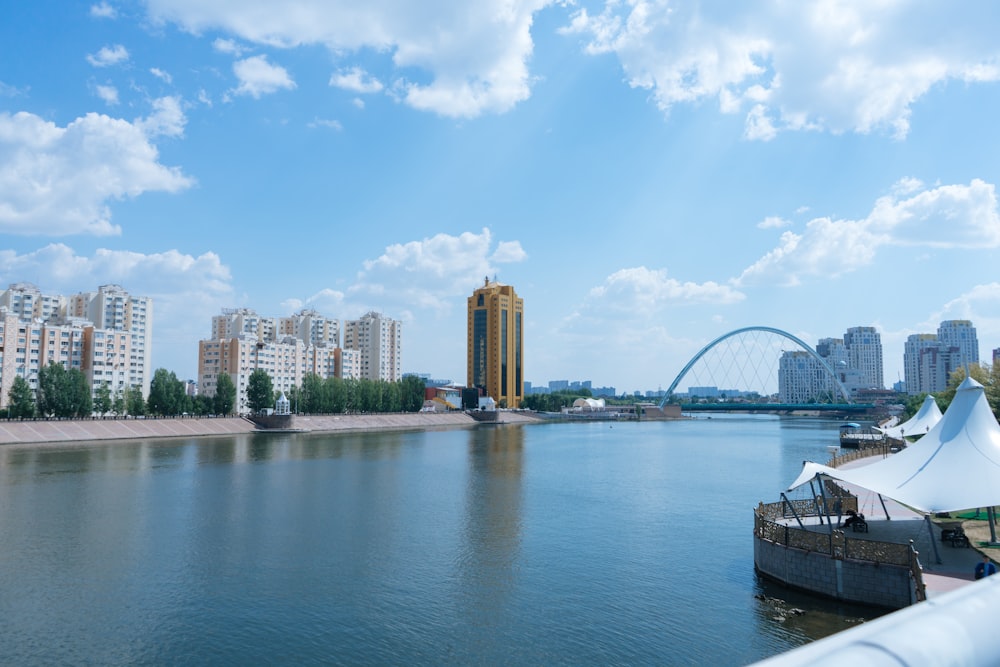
(551, 544)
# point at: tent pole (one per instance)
(930, 532)
(826, 505)
(812, 492)
(882, 500)
(792, 507)
(991, 513)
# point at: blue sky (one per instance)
(647, 174)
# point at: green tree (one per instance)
(225, 395)
(80, 400)
(202, 405)
(412, 391)
(21, 400)
(134, 405)
(336, 392)
(163, 393)
(313, 396)
(52, 398)
(102, 399)
(118, 403)
(260, 392)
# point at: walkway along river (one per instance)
(582, 543)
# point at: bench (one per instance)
(859, 526)
(955, 536)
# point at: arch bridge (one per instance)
(751, 355)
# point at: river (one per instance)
(551, 544)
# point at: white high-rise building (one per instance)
(287, 348)
(114, 309)
(378, 342)
(929, 359)
(927, 364)
(962, 335)
(105, 334)
(864, 347)
(855, 361)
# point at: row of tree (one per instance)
(65, 393)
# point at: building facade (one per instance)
(495, 343)
(287, 348)
(377, 344)
(930, 359)
(855, 361)
(105, 334)
(864, 348)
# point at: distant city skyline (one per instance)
(649, 175)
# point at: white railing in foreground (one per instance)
(956, 628)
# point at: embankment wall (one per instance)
(42, 432)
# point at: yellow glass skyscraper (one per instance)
(496, 343)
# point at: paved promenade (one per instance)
(63, 432)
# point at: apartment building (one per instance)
(854, 360)
(104, 334)
(377, 343)
(287, 348)
(930, 359)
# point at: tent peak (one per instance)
(969, 383)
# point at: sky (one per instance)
(648, 174)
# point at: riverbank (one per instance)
(48, 432)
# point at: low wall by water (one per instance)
(880, 574)
(55, 431)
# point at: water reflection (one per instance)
(491, 550)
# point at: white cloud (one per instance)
(773, 222)
(433, 272)
(103, 10)
(160, 74)
(228, 46)
(453, 59)
(259, 77)
(167, 119)
(109, 94)
(108, 55)
(9, 91)
(357, 80)
(643, 292)
(60, 180)
(329, 123)
(945, 217)
(792, 66)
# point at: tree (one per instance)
(203, 405)
(118, 403)
(412, 390)
(80, 402)
(260, 392)
(21, 400)
(163, 393)
(134, 405)
(225, 395)
(313, 396)
(102, 399)
(52, 397)
(336, 390)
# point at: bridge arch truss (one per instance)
(770, 330)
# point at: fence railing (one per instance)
(834, 543)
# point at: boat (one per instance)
(852, 436)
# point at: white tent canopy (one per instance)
(926, 418)
(955, 466)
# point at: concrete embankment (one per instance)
(87, 430)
